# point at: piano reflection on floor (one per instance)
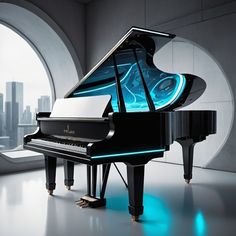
(123, 110)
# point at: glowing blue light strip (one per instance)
(180, 88)
(108, 86)
(180, 79)
(128, 153)
(178, 92)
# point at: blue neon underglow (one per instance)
(157, 217)
(128, 153)
(164, 88)
(200, 225)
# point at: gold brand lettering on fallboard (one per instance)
(67, 130)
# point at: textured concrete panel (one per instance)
(183, 57)
(159, 12)
(218, 38)
(69, 15)
(214, 3)
(186, 57)
(107, 21)
(220, 10)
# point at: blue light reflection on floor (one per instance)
(156, 219)
(200, 224)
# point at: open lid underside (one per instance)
(128, 75)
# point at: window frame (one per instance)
(16, 16)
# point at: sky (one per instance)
(19, 62)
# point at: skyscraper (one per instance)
(1, 115)
(1, 102)
(14, 110)
(14, 94)
(44, 104)
(27, 116)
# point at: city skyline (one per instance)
(20, 63)
(4, 94)
(16, 120)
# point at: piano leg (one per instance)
(103, 170)
(91, 182)
(135, 188)
(69, 174)
(188, 148)
(105, 174)
(50, 168)
(94, 180)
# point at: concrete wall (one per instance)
(208, 23)
(69, 16)
(183, 56)
(106, 22)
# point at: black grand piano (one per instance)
(123, 110)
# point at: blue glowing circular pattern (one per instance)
(164, 88)
(168, 90)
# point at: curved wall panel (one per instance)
(183, 56)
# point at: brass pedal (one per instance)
(78, 202)
(88, 201)
(68, 188)
(84, 205)
(135, 218)
(50, 192)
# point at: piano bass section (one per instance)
(123, 110)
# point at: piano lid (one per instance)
(128, 74)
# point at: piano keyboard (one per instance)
(69, 146)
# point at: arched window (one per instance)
(57, 57)
(24, 89)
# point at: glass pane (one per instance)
(24, 89)
(163, 88)
(132, 87)
(101, 82)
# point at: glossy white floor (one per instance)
(206, 207)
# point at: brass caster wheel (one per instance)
(68, 187)
(135, 218)
(187, 181)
